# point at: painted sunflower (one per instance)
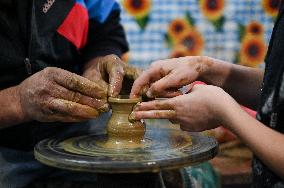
(193, 42)
(254, 28)
(212, 9)
(252, 52)
(177, 28)
(179, 51)
(271, 7)
(137, 8)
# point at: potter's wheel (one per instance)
(161, 149)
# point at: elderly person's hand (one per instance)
(111, 70)
(54, 94)
(205, 107)
(164, 78)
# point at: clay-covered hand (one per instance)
(203, 108)
(164, 78)
(110, 70)
(54, 94)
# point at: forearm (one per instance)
(10, 112)
(265, 143)
(242, 83)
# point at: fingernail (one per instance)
(94, 113)
(131, 117)
(104, 108)
(136, 107)
(149, 94)
(144, 90)
(113, 91)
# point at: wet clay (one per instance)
(123, 133)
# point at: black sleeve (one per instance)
(105, 38)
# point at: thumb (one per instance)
(116, 74)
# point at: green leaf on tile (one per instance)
(189, 18)
(218, 24)
(168, 40)
(242, 30)
(142, 22)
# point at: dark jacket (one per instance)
(35, 34)
(271, 111)
(65, 33)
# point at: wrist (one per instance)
(11, 113)
(231, 112)
(214, 72)
(18, 109)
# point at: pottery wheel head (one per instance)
(160, 149)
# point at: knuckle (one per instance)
(75, 96)
(153, 64)
(44, 89)
(172, 106)
(71, 80)
(103, 108)
(113, 56)
(171, 78)
(156, 64)
(155, 87)
(120, 70)
(200, 59)
(48, 107)
(157, 114)
(49, 70)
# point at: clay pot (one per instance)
(120, 130)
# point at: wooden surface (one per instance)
(234, 164)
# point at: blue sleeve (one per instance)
(101, 9)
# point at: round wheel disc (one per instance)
(161, 149)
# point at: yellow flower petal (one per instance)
(137, 8)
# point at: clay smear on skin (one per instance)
(202, 63)
(164, 72)
(160, 104)
(166, 110)
(165, 113)
(75, 84)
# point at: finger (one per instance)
(167, 82)
(132, 72)
(164, 104)
(95, 76)
(170, 93)
(67, 108)
(116, 75)
(144, 80)
(153, 114)
(60, 92)
(185, 128)
(188, 88)
(144, 90)
(197, 86)
(174, 121)
(78, 83)
(193, 86)
(66, 119)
